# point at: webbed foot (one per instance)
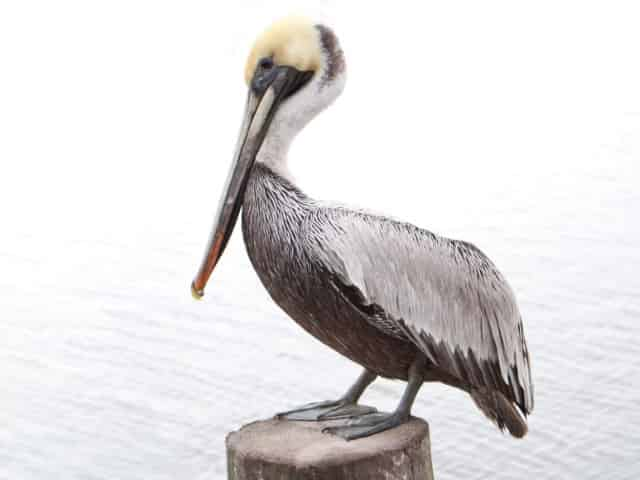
(327, 410)
(367, 425)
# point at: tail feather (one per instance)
(500, 411)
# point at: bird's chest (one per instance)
(274, 238)
(271, 227)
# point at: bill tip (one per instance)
(196, 293)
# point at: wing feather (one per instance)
(444, 295)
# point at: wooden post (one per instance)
(287, 450)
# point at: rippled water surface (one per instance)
(108, 368)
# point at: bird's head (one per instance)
(302, 66)
(295, 69)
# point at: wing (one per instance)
(445, 295)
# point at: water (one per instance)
(110, 370)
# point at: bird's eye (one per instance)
(266, 63)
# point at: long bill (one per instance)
(265, 94)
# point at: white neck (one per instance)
(275, 149)
(293, 115)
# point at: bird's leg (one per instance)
(366, 425)
(345, 407)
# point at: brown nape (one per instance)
(335, 56)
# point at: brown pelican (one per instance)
(400, 301)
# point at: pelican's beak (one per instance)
(268, 89)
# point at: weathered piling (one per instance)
(287, 450)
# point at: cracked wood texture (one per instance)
(286, 450)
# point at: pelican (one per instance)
(400, 301)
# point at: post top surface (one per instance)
(303, 444)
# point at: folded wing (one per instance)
(444, 295)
